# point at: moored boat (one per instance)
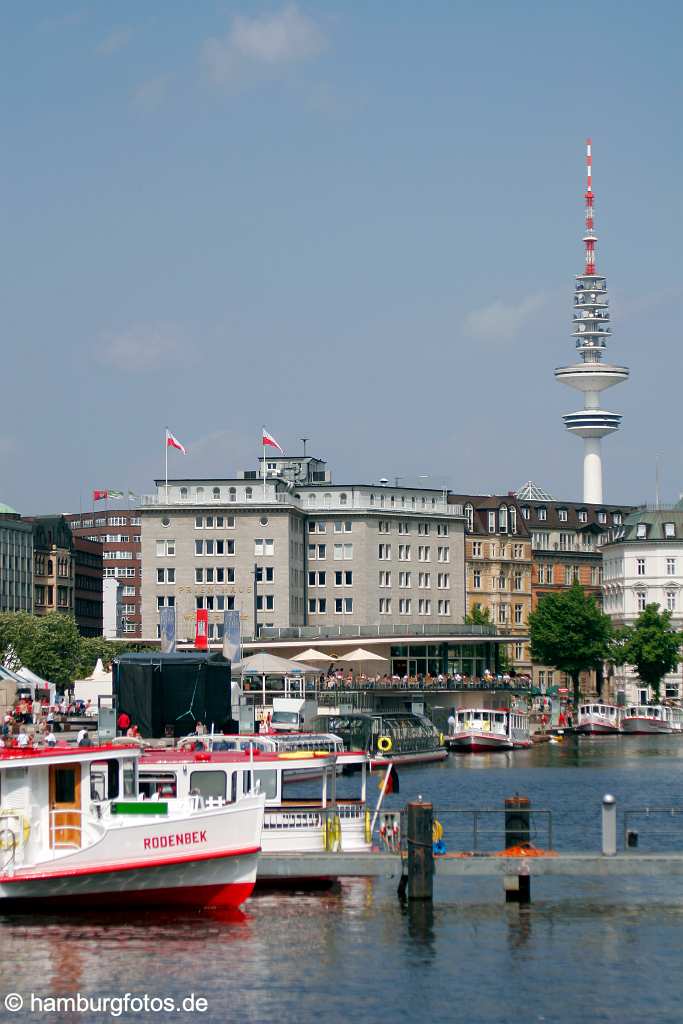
(485, 729)
(388, 737)
(305, 825)
(74, 835)
(647, 718)
(599, 719)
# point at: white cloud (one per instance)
(262, 43)
(150, 95)
(117, 39)
(501, 321)
(141, 348)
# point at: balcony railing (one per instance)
(322, 506)
(374, 632)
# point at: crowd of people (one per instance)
(456, 681)
(34, 722)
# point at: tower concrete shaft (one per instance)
(591, 375)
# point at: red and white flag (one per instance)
(269, 439)
(173, 442)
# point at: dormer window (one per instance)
(616, 518)
(669, 529)
(583, 515)
(513, 520)
(492, 522)
(602, 517)
(469, 517)
(542, 513)
(503, 519)
(525, 511)
(562, 513)
(641, 531)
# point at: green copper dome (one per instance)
(7, 510)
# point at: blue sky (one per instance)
(353, 222)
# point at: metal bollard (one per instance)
(609, 825)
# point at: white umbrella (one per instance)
(360, 654)
(313, 655)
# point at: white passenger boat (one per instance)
(648, 718)
(323, 822)
(75, 835)
(485, 729)
(599, 720)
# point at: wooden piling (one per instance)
(420, 853)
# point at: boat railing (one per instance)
(66, 828)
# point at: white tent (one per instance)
(37, 682)
(360, 654)
(270, 665)
(97, 684)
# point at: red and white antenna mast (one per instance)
(589, 238)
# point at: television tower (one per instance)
(591, 375)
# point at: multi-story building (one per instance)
(567, 538)
(498, 567)
(88, 592)
(67, 574)
(117, 531)
(643, 564)
(16, 562)
(294, 549)
(53, 567)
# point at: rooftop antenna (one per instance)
(303, 441)
(657, 480)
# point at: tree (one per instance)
(569, 631)
(651, 644)
(478, 616)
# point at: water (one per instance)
(595, 950)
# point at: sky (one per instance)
(355, 223)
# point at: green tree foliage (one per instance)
(651, 644)
(569, 631)
(478, 617)
(52, 647)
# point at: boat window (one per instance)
(163, 783)
(267, 780)
(208, 784)
(65, 785)
(98, 782)
(129, 780)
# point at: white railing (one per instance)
(321, 506)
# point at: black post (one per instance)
(517, 823)
(420, 853)
(256, 601)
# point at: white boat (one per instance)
(321, 823)
(647, 718)
(74, 834)
(599, 719)
(485, 729)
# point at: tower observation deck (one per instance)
(590, 374)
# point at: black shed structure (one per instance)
(167, 694)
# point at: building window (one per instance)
(404, 606)
(403, 527)
(423, 529)
(525, 511)
(443, 581)
(232, 494)
(384, 526)
(671, 600)
(616, 518)
(384, 552)
(443, 607)
(517, 584)
(519, 652)
(502, 519)
(602, 517)
(476, 549)
(542, 513)
(469, 517)
(165, 548)
(343, 579)
(641, 598)
(671, 567)
(443, 554)
(424, 553)
(582, 515)
(343, 552)
(641, 531)
(502, 613)
(165, 575)
(317, 551)
(424, 579)
(404, 579)
(476, 580)
(563, 514)
(492, 522)
(385, 606)
(640, 566)
(343, 526)
(669, 529)
(404, 552)
(264, 546)
(384, 578)
(518, 614)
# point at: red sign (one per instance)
(177, 839)
(201, 636)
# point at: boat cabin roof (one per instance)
(14, 757)
(283, 761)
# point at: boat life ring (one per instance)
(384, 744)
(5, 831)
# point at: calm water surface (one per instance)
(583, 951)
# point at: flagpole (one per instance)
(166, 457)
(263, 456)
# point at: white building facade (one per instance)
(643, 564)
